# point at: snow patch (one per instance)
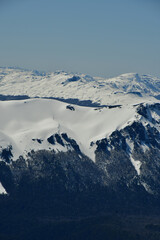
(2, 190)
(144, 147)
(130, 145)
(137, 164)
(147, 188)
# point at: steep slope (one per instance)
(116, 147)
(23, 122)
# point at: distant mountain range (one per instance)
(126, 88)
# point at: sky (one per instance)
(99, 37)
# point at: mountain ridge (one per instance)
(105, 151)
(119, 90)
(111, 138)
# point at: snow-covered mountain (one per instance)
(23, 122)
(97, 133)
(127, 88)
(114, 144)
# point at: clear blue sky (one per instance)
(96, 37)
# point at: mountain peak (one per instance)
(130, 76)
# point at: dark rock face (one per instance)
(72, 142)
(51, 140)
(70, 107)
(38, 140)
(6, 154)
(64, 140)
(142, 110)
(114, 155)
(59, 139)
(6, 177)
(74, 79)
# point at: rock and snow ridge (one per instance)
(27, 125)
(22, 122)
(47, 124)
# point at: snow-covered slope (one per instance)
(23, 121)
(123, 141)
(126, 88)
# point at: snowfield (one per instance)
(23, 121)
(128, 88)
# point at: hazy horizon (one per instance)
(102, 38)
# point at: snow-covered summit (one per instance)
(126, 88)
(133, 82)
(22, 121)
